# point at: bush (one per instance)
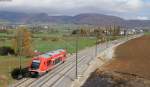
(75, 32)
(45, 38)
(6, 50)
(54, 39)
(19, 74)
(2, 39)
(16, 74)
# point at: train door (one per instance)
(48, 63)
(44, 66)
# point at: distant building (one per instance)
(122, 32)
(3, 27)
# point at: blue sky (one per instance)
(128, 9)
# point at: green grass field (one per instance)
(8, 63)
(68, 43)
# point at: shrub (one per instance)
(45, 38)
(53, 39)
(16, 74)
(6, 50)
(19, 74)
(2, 39)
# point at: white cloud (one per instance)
(107, 4)
(135, 4)
(142, 18)
(75, 6)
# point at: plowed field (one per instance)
(132, 57)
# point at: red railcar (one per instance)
(47, 61)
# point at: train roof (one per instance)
(44, 56)
(51, 53)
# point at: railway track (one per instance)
(30, 81)
(60, 74)
(20, 82)
(72, 69)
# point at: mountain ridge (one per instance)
(85, 18)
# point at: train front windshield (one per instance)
(35, 64)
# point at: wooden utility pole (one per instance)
(20, 50)
(77, 56)
(96, 44)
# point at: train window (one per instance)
(35, 65)
(57, 60)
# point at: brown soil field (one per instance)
(132, 57)
(130, 66)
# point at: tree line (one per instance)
(108, 30)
